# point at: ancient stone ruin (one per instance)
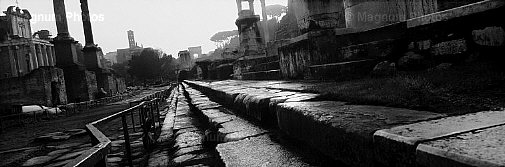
(328, 40)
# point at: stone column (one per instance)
(91, 51)
(39, 55)
(319, 14)
(44, 54)
(251, 5)
(33, 55)
(265, 21)
(50, 56)
(29, 58)
(64, 44)
(86, 22)
(239, 5)
(61, 18)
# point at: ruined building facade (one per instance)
(20, 51)
(27, 64)
(186, 60)
(348, 38)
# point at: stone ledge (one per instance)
(455, 13)
(258, 151)
(398, 144)
(250, 100)
(343, 132)
(372, 135)
(479, 148)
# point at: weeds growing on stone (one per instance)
(458, 90)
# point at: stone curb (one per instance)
(255, 103)
(160, 157)
(362, 135)
(167, 128)
(343, 132)
(399, 144)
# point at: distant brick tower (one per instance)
(131, 39)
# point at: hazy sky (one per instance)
(171, 25)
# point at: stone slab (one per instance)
(257, 151)
(37, 161)
(188, 139)
(478, 148)
(167, 128)
(398, 144)
(343, 132)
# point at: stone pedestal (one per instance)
(65, 52)
(319, 14)
(91, 54)
(251, 42)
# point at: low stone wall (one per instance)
(43, 86)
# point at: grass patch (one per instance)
(459, 90)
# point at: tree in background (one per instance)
(274, 14)
(121, 69)
(224, 39)
(146, 66)
(168, 67)
(276, 11)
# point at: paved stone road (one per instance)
(208, 134)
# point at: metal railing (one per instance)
(148, 114)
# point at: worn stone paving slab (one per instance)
(184, 125)
(189, 150)
(213, 114)
(181, 131)
(167, 128)
(188, 139)
(292, 86)
(478, 148)
(193, 159)
(257, 151)
(343, 132)
(395, 143)
(208, 106)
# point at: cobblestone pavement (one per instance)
(59, 147)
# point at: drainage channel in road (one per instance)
(208, 134)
